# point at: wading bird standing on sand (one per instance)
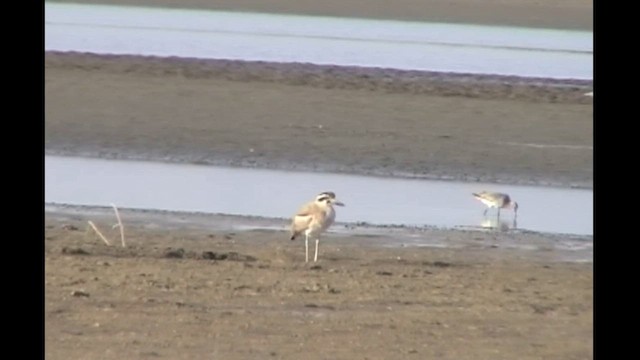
(496, 200)
(314, 218)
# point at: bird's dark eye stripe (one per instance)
(323, 198)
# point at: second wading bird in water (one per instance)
(313, 219)
(497, 200)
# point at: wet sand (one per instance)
(185, 289)
(320, 118)
(192, 287)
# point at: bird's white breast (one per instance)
(330, 217)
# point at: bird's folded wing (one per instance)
(307, 209)
(308, 213)
(301, 222)
(486, 195)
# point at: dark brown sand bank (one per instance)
(320, 118)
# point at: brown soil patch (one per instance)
(305, 117)
(185, 292)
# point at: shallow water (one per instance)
(278, 194)
(319, 40)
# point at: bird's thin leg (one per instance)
(306, 247)
(485, 212)
(315, 258)
(498, 213)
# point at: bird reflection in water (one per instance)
(498, 224)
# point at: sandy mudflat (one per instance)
(319, 118)
(327, 118)
(194, 286)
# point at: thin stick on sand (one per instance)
(119, 225)
(95, 228)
